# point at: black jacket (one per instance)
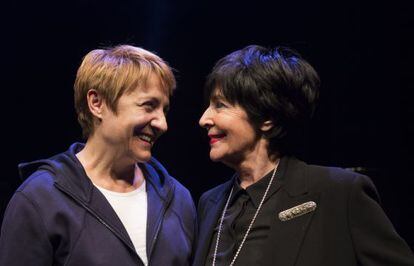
(58, 217)
(347, 228)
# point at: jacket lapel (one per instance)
(285, 237)
(214, 207)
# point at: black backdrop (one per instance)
(360, 49)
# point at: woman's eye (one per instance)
(148, 105)
(219, 104)
(166, 110)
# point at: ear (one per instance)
(95, 103)
(266, 126)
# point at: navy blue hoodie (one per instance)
(58, 217)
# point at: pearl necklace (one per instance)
(250, 225)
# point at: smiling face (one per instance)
(233, 139)
(139, 120)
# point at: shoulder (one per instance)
(182, 200)
(337, 182)
(335, 177)
(215, 193)
(38, 191)
(164, 179)
(180, 191)
(215, 190)
(33, 199)
(41, 181)
(318, 175)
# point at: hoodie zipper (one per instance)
(159, 227)
(94, 214)
(156, 236)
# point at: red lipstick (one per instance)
(215, 138)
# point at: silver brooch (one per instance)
(297, 211)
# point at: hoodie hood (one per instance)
(69, 173)
(66, 170)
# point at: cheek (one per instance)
(140, 120)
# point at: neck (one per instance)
(251, 172)
(256, 165)
(106, 167)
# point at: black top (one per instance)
(347, 228)
(242, 207)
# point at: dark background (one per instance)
(361, 50)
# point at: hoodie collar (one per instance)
(67, 170)
(70, 174)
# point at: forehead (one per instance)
(151, 86)
(217, 94)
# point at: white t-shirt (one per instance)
(131, 208)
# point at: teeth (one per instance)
(146, 138)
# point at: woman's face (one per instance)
(139, 121)
(232, 136)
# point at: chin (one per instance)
(141, 157)
(215, 157)
(144, 159)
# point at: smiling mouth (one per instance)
(216, 138)
(147, 138)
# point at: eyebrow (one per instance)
(217, 97)
(165, 108)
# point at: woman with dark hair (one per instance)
(276, 209)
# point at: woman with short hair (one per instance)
(276, 209)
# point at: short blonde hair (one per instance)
(113, 72)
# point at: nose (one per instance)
(159, 122)
(206, 120)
